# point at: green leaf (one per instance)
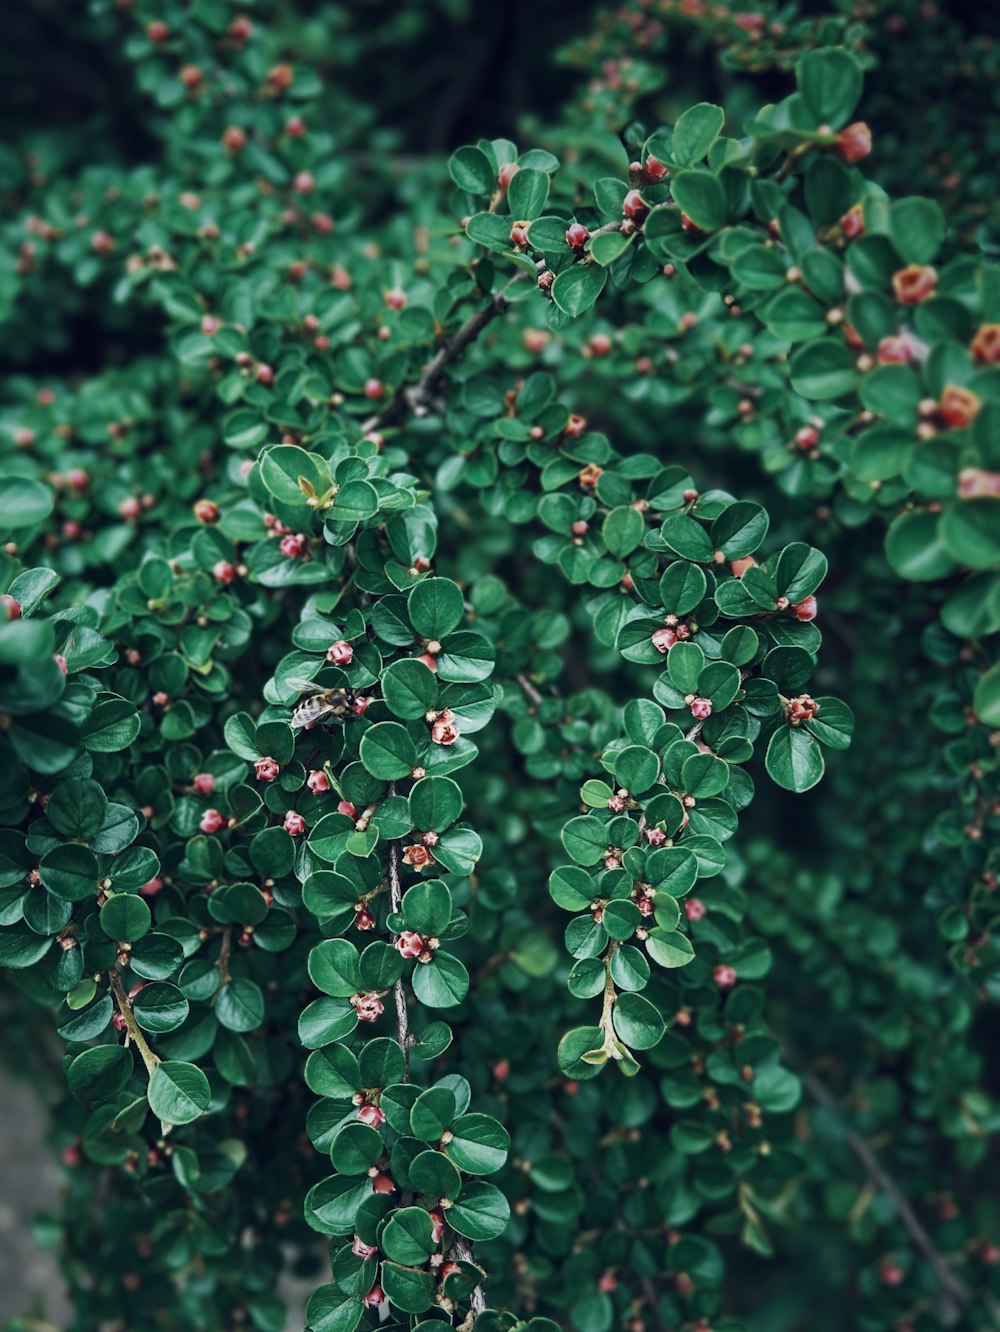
(830, 81)
(23, 503)
(481, 1213)
(239, 1005)
(970, 531)
(915, 548)
(356, 1147)
(695, 132)
(178, 1092)
(328, 1311)
(387, 751)
(740, 529)
(623, 530)
(823, 369)
(409, 688)
(408, 1235)
(100, 1074)
(479, 1144)
(77, 808)
(700, 194)
(833, 724)
(160, 1008)
(986, 700)
(669, 948)
(435, 607)
(608, 246)
(435, 803)
(917, 227)
(639, 1024)
(125, 917)
(409, 1291)
(794, 760)
(578, 287)
(432, 1113)
(333, 967)
(472, 171)
(527, 194)
(442, 983)
(585, 839)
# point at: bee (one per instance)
(319, 704)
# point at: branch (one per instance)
(528, 689)
(418, 397)
(131, 1026)
(953, 1286)
(463, 1251)
(398, 990)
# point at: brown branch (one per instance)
(418, 397)
(131, 1026)
(398, 990)
(528, 689)
(462, 1250)
(953, 1286)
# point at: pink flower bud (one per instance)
(577, 236)
(805, 609)
(375, 1295)
(418, 856)
(340, 653)
(444, 733)
(701, 708)
(664, 639)
(266, 769)
(292, 546)
(345, 807)
(151, 888)
(212, 821)
(294, 823)
(607, 1283)
(223, 571)
(616, 804)
(317, 782)
(854, 142)
(382, 1183)
(364, 920)
(204, 782)
(694, 909)
(367, 1006)
(655, 836)
(12, 606)
(371, 1115)
(363, 1250)
(410, 944)
(724, 977)
(437, 1225)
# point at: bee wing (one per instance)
(304, 686)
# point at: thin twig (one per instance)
(398, 990)
(952, 1285)
(131, 1026)
(463, 1251)
(528, 689)
(418, 397)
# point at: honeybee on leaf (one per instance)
(319, 704)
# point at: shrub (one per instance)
(373, 564)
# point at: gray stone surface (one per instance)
(29, 1183)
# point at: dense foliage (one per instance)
(415, 564)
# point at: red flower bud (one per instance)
(266, 769)
(294, 823)
(577, 236)
(854, 142)
(340, 653)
